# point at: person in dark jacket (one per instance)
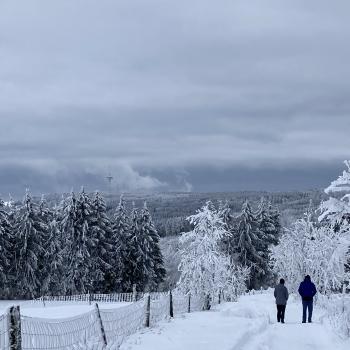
(281, 295)
(307, 291)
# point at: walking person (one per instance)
(307, 291)
(281, 296)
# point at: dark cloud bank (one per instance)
(185, 95)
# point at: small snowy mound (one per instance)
(242, 311)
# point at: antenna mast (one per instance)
(109, 178)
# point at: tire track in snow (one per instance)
(256, 330)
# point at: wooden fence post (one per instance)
(134, 293)
(219, 301)
(148, 311)
(189, 303)
(14, 328)
(207, 302)
(171, 306)
(103, 333)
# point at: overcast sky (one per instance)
(173, 95)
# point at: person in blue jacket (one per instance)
(307, 291)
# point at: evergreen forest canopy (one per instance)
(76, 247)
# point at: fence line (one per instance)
(91, 298)
(94, 329)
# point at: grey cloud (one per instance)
(162, 91)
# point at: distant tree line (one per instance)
(75, 247)
(170, 210)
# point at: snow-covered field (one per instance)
(247, 325)
(55, 310)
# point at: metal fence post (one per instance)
(103, 333)
(148, 311)
(14, 328)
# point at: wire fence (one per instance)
(160, 310)
(120, 323)
(94, 330)
(71, 333)
(4, 332)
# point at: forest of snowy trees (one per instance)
(75, 247)
(318, 244)
(227, 253)
(78, 246)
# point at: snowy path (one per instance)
(247, 325)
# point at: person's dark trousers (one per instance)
(307, 305)
(281, 309)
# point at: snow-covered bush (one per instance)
(337, 308)
(322, 249)
(236, 282)
(317, 251)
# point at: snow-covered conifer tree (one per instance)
(151, 237)
(203, 266)
(53, 269)
(229, 242)
(267, 219)
(76, 228)
(6, 253)
(139, 254)
(250, 245)
(336, 211)
(122, 253)
(31, 233)
(101, 252)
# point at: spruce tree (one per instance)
(101, 252)
(6, 253)
(151, 237)
(268, 235)
(140, 258)
(274, 214)
(249, 243)
(76, 228)
(122, 253)
(229, 241)
(54, 256)
(31, 233)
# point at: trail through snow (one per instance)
(249, 324)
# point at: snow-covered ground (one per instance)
(249, 324)
(55, 310)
